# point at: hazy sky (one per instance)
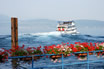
(53, 9)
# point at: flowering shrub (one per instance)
(18, 51)
(83, 47)
(34, 50)
(3, 55)
(51, 50)
(57, 49)
(21, 51)
(64, 48)
(37, 50)
(99, 46)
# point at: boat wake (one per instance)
(55, 33)
(47, 38)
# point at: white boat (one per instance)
(67, 27)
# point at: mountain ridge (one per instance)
(84, 26)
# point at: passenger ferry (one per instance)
(67, 27)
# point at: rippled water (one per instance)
(43, 39)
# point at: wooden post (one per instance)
(14, 32)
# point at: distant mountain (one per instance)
(90, 22)
(91, 27)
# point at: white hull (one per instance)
(72, 33)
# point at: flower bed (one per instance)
(3, 55)
(29, 51)
(99, 47)
(57, 50)
(65, 48)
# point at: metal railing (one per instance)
(62, 59)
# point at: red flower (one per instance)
(91, 44)
(50, 53)
(72, 46)
(77, 42)
(75, 49)
(58, 46)
(96, 44)
(98, 53)
(97, 47)
(67, 42)
(23, 46)
(89, 47)
(39, 46)
(79, 48)
(34, 48)
(46, 56)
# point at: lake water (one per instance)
(49, 38)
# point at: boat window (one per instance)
(67, 22)
(61, 27)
